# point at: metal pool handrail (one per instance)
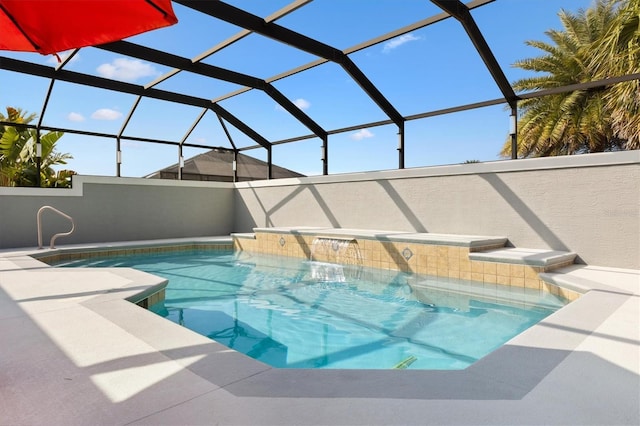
(61, 234)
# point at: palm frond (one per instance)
(599, 42)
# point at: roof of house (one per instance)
(217, 165)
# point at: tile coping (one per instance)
(385, 235)
(92, 247)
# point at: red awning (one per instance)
(48, 26)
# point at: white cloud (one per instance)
(302, 103)
(127, 69)
(361, 134)
(74, 116)
(106, 114)
(398, 41)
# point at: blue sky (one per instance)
(428, 69)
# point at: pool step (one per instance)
(473, 242)
(244, 235)
(565, 279)
(582, 278)
(545, 259)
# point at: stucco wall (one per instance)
(589, 204)
(117, 209)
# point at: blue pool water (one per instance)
(293, 313)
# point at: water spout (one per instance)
(336, 250)
(335, 259)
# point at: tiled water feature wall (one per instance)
(442, 259)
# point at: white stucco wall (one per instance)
(117, 209)
(589, 204)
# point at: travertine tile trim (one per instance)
(450, 261)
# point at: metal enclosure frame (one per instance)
(267, 27)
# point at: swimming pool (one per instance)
(293, 313)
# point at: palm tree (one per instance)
(10, 144)
(619, 54)
(580, 121)
(18, 161)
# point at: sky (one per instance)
(428, 69)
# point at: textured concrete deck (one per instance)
(73, 351)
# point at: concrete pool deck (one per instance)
(74, 351)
